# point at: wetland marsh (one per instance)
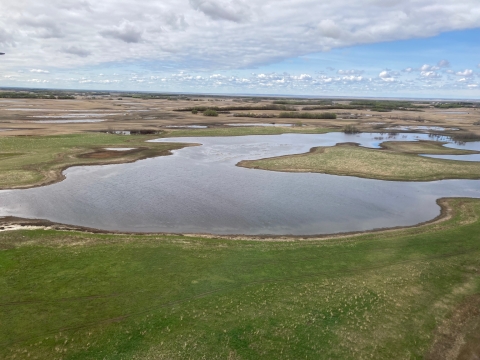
(81, 293)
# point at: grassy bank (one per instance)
(244, 131)
(398, 161)
(423, 147)
(383, 295)
(38, 160)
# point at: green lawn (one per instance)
(73, 295)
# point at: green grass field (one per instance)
(397, 161)
(74, 295)
(37, 160)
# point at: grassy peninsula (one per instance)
(399, 161)
(39, 160)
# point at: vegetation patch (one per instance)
(383, 295)
(398, 162)
(306, 115)
(350, 129)
(424, 147)
(240, 108)
(210, 112)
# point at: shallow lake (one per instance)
(200, 190)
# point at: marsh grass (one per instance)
(210, 112)
(307, 115)
(76, 295)
(423, 147)
(254, 115)
(240, 108)
(350, 129)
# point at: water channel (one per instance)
(200, 190)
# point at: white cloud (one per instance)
(352, 78)
(350, 72)
(443, 63)
(466, 72)
(427, 67)
(39, 71)
(214, 34)
(430, 75)
(236, 11)
(386, 76)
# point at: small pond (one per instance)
(200, 190)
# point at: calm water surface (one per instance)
(200, 190)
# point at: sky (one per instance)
(364, 48)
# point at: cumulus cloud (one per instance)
(39, 71)
(466, 72)
(386, 75)
(236, 11)
(350, 72)
(214, 34)
(429, 68)
(430, 75)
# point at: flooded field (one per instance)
(200, 190)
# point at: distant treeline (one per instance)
(373, 105)
(306, 115)
(303, 102)
(456, 105)
(254, 115)
(239, 108)
(30, 95)
(385, 105)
